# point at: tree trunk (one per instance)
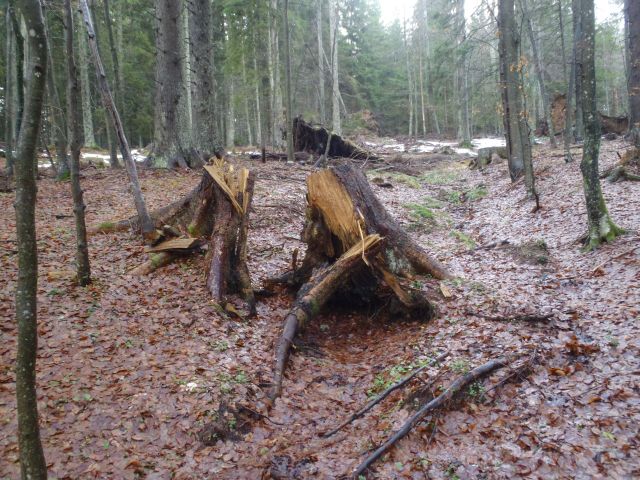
(353, 245)
(146, 225)
(287, 73)
(74, 114)
(601, 227)
(321, 79)
(32, 462)
(562, 43)
(231, 116)
(539, 74)
(58, 123)
(169, 118)
(85, 89)
(578, 51)
(632, 14)
(515, 117)
(336, 124)
(464, 132)
(205, 136)
(9, 93)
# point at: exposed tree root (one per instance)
(352, 242)
(448, 394)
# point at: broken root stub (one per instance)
(215, 212)
(355, 246)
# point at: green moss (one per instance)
(106, 226)
(466, 144)
(477, 193)
(421, 211)
(408, 180)
(464, 238)
(439, 177)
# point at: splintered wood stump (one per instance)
(352, 244)
(216, 212)
(314, 138)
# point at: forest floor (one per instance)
(130, 369)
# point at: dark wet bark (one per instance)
(632, 15)
(32, 462)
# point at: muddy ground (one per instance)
(143, 377)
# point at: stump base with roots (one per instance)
(214, 215)
(355, 246)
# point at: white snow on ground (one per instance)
(428, 146)
(95, 157)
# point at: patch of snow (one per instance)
(398, 147)
(487, 142)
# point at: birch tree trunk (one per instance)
(74, 114)
(335, 78)
(32, 461)
(231, 117)
(146, 225)
(601, 227)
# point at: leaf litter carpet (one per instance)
(130, 369)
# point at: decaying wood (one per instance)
(217, 212)
(353, 242)
(628, 168)
(438, 402)
(315, 139)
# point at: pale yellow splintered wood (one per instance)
(173, 244)
(327, 193)
(231, 182)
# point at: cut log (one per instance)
(176, 244)
(314, 138)
(352, 242)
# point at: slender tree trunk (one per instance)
(578, 50)
(539, 73)
(601, 227)
(461, 82)
(409, 83)
(259, 129)
(321, 96)
(245, 85)
(9, 96)
(58, 124)
(562, 43)
(231, 117)
(19, 64)
(85, 89)
(32, 462)
(632, 15)
(74, 113)
(335, 78)
(186, 107)
(422, 106)
(146, 225)
(287, 73)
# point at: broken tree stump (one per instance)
(314, 138)
(355, 246)
(216, 212)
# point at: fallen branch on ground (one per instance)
(382, 396)
(436, 403)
